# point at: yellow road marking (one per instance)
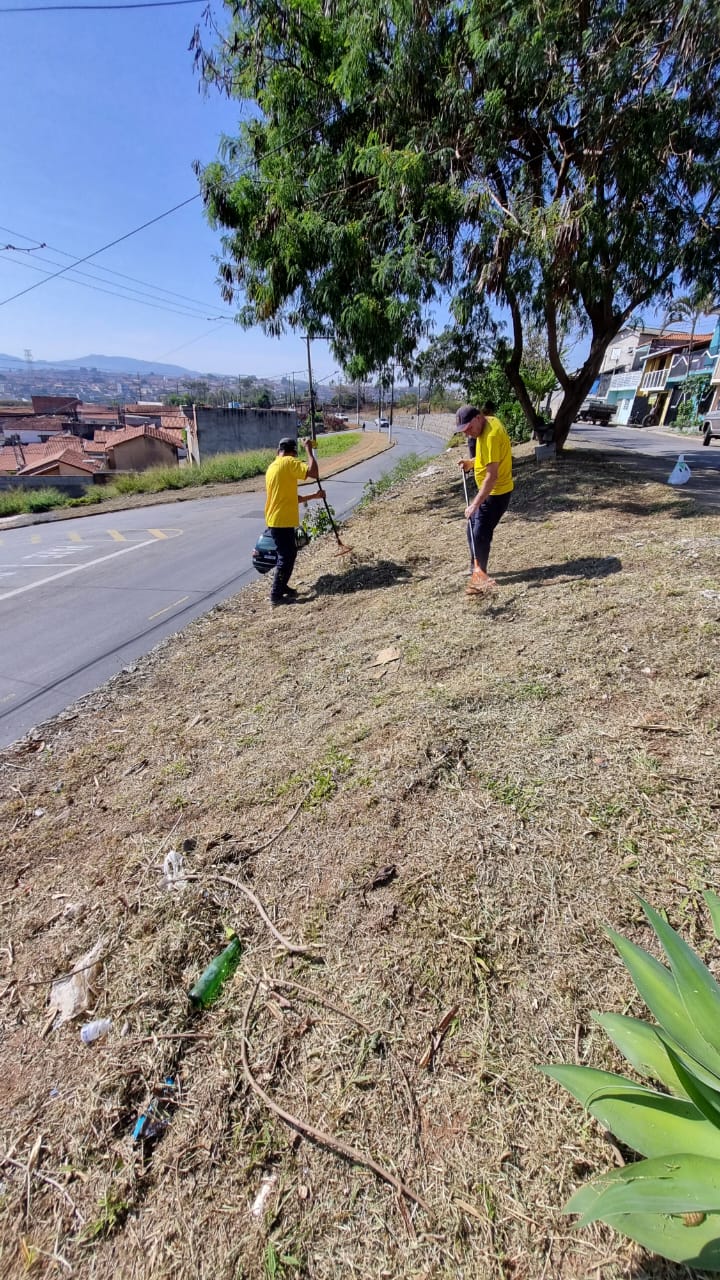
(117, 536)
(35, 537)
(74, 537)
(158, 533)
(167, 606)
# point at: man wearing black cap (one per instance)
(282, 510)
(492, 465)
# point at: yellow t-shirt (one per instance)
(282, 510)
(494, 446)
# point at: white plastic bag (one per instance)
(72, 994)
(681, 472)
(174, 870)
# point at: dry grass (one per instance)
(526, 765)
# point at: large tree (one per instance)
(555, 160)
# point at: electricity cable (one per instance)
(119, 239)
(156, 288)
(97, 288)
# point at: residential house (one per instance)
(669, 374)
(712, 403)
(134, 448)
(61, 457)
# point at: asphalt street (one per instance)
(660, 451)
(81, 599)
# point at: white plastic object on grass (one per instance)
(174, 870)
(681, 472)
(95, 1030)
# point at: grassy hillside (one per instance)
(443, 829)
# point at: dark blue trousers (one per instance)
(481, 526)
(286, 546)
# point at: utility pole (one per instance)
(357, 415)
(312, 393)
(392, 398)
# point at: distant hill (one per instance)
(105, 364)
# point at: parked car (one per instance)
(382, 424)
(593, 410)
(711, 427)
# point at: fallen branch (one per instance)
(343, 1013)
(318, 1136)
(284, 942)
(260, 848)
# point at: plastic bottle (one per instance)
(95, 1030)
(208, 986)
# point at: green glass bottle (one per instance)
(207, 988)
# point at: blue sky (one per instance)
(103, 121)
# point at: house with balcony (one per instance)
(678, 370)
(713, 400)
(621, 369)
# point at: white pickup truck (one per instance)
(711, 427)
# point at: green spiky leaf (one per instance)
(655, 1124)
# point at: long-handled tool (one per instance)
(342, 550)
(479, 582)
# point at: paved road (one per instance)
(80, 599)
(660, 452)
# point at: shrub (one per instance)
(670, 1201)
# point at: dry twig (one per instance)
(318, 1136)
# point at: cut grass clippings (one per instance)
(447, 833)
(225, 468)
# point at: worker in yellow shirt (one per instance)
(282, 510)
(492, 464)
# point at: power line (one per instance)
(78, 261)
(151, 221)
(156, 288)
(65, 8)
(156, 306)
(197, 311)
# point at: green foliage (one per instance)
(553, 164)
(493, 385)
(670, 1201)
(406, 467)
(316, 521)
(20, 501)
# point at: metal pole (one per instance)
(312, 393)
(357, 414)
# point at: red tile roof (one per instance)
(71, 456)
(108, 439)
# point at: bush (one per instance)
(670, 1201)
(12, 502)
(406, 467)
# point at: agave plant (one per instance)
(670, 1201)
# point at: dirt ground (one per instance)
(440, 832)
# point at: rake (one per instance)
(479, 582)
(342, 550)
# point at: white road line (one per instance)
(77, 568)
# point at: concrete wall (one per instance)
(72, 486)
(141, 453)
(238, 430)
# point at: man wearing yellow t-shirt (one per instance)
(282, 510)
(492, 465)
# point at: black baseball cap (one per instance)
(288, 444)
(465, 414)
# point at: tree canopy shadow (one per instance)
(581, 567)
(362, 577)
